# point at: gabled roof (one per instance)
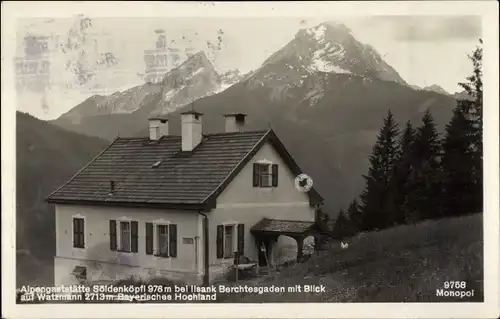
(140, 172)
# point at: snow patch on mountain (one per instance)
(326, 66)
(228, 79)
(317, 32)
(194, 74)
(320, 61)
(167, 96)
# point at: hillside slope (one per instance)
(407, 263)
(47, 156)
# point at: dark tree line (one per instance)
(415, 174)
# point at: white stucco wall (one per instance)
(97, 250)
(242, 203)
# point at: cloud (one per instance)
(429, 28)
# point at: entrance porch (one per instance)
(267, 231)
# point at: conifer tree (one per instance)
(375, 197)
(354, 215)
(422, 198)
(402, 171)
(463, 148)
(326, 219)
(340, 226)
(457, 178)
(474, 87)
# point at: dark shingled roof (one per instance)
(157, 173)
(282, 226)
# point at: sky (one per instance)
(424, 50)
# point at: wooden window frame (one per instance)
(234, 242)
(265, 175)
(120, 234)
(82, 234)
(236, 228)
(156, 240)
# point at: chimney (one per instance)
(191, 130)
(235, 122)
(158, 127)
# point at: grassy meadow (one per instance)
(402, 264)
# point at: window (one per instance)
(80, 273)
(162, 232)
(228, 241)
(125, 236)
(78, 233)
(161, 240)
(230, 237)
(265, 175)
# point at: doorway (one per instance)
(264, 246)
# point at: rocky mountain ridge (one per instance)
(193, 79)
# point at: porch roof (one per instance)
(267, 225)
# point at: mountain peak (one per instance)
(332, 48)
(200, 55)
(195, 64)
(436, 88)
(197, 60)
(321, 30)
(327, 31)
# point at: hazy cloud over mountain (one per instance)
(430, 28)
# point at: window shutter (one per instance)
(172, 235)
(220, 238)
(274, 173)
(149, 238)
(75, 232)
(256, 174)
(241, 239)
(82, 232)
(112, 234)
(134, 229)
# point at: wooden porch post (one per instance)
(300, 247)
(271, 252)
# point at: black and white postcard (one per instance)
(250, 159)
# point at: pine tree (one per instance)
(463, 148)
(340, 227)
(375, 197)
(422, 199)
(402, 171)
(474, 87)
(457, 178)
(326, 218)
(354, 215)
